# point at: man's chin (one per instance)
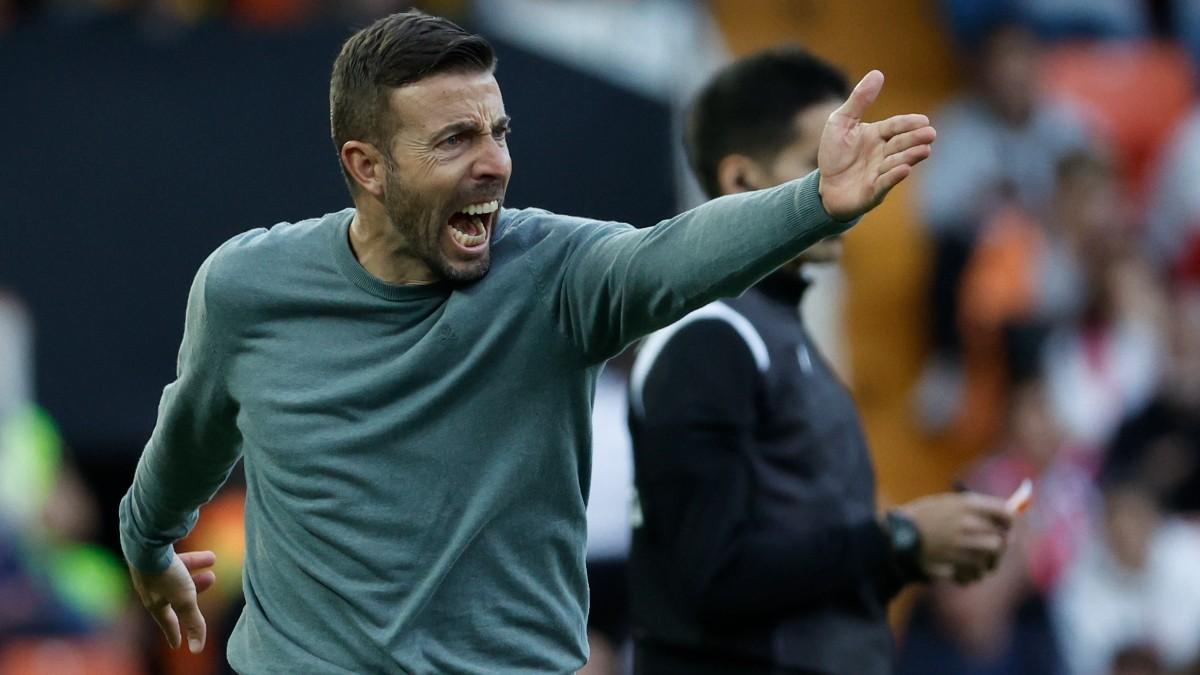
(465, 272)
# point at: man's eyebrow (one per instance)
(457, 128)
(465, 126)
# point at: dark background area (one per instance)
(128, 160)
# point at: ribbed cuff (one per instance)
(151, 559)
(809, 208)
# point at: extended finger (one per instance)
(197, 560)
(908, 139)
(899, 124)
(864, 94)
(971, 524)
(965, 556)
(165, 617)
(910, 157)
(990, 545)
(991, 508)
(204, 580)
(890, 179)
(193, 624)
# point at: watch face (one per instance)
(904, 533)
(905, 537)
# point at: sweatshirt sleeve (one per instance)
(195, 443)
(619, 283)
(696, 489)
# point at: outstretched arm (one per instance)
(618, 283)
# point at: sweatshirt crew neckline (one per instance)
(353, 270)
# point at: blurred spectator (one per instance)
(1105, 364)
(1185, 16)
(1135, 93)
(16, 357)
(994, 627)
(1173, 217)
(996, 145)
(1133, 586)
(272, 14)
(29, 445)
(1070, 272)
(1054, 19)
(1002, 624)
(1058, 19)
(170, 18)
(1137, 660)
(1000, 140)
(1073, 293)
(1160, 444)
(1022, 279)
(1057, 524)
(54, 583)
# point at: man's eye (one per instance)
(452, 141)
(500, 134)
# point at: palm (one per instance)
(860, 161)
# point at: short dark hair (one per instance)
(749, 106)
(394, 51)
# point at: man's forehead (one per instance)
(439, 99)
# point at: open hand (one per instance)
(171, 596)
(860, 161)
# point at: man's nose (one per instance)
(493, 160)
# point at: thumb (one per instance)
(192, 623)
(864, 94)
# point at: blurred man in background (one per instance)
(410, 380)
(759, 548)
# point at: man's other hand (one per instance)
(860, 161)
(963, 535)
(171, 596)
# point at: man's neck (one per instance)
(384, 252)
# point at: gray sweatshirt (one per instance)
(417, 458)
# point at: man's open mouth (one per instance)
(470, 227)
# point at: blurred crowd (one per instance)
(1062, 204)
(1063, 208)
(167, 17)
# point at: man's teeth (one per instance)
(480, 209)
(471, 240)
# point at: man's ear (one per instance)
(739, 173)
(366, 166)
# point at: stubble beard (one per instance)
(409, 215)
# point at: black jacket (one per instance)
(756, 546)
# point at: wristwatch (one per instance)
(905, 539)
